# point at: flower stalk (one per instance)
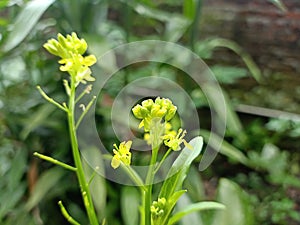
(70, 49)
(84, 188)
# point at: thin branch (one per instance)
(87, 90)
(69, 218)
(51, 100)
(55, 161)
(85, 111)
(133, 175)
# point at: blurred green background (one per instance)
(256, 174)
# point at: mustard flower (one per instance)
(161, 108)
(70, 49)
(173, 140)
(121, 154)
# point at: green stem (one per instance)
(55, 161)
(51, 100)
(162, 160)
(134, 176)
(85, 112)
(195, 25)
(84, 188)
(84, 92)
(65, 213)
(149, 185)
(155, 132)
(142, 209)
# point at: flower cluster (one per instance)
(167, 130)
(149, 110)
(122, 154)
(71, 49)
(158, 208)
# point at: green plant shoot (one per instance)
(154, 116)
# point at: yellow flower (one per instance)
(121, 154)
(173, 140)
(66, 45)
(149, 110)
(70, 49)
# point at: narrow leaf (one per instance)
(193, 208)
(45, 183)
(238, 208)
(226, 149)
(130, 197)
(189, 9)
(25, 21)
(279, 4)
(177, 172)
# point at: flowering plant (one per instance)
(155, 116)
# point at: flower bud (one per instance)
(139, 111)
(171, 112)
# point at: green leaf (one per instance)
(17, 169)
(19, 216)
(205, 48)
(170, 206)
(3, 3)
(228, 74)
(12, 185)
(174, 198)
(195, 185)
(176, 25)
(130, 205)
(177, 172)
(45, 183)
(200, 206)
(226, 149)
(25, 21)
(192, 218)
(279, 4)
(238, 209)
(229, 116)
(36, 119)
(11, 198)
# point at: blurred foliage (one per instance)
(253, 150)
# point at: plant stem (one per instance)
(51, 100)
(84, 188)
(134, 177)
(65, 213)
(162, 160)
(149, 185)
(195, 25)
(55, 161)
(85, 112)
(155, 132)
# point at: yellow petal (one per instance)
(128, 145)
(115, 163)
(90, 60)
